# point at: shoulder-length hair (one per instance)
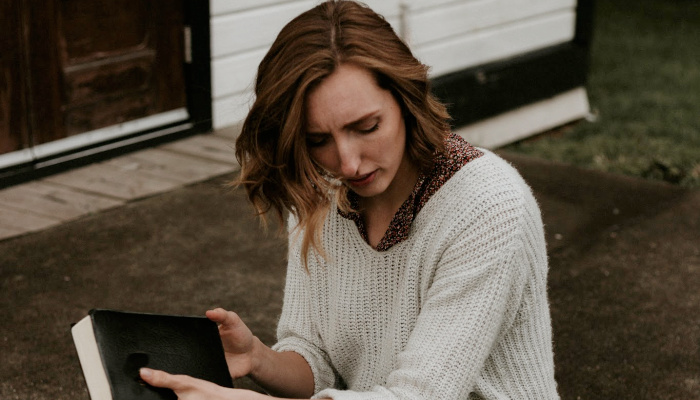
(276, 169)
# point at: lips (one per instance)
(362, 180)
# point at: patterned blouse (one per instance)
(457, 153)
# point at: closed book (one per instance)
(113, 345)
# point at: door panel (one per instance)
(44, 81)
(120, 60)
(13, 130)
(97, 29)
(91, 81)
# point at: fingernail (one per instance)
(146, 372)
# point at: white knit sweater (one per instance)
(457, 311)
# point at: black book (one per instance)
(113, 345)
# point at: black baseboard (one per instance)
(42, 167)
(487, 90)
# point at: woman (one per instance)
(417, 263)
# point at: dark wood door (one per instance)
(13, 125)
(92, 64)
(120, 60)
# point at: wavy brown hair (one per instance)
(276, 169)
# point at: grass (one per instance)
(644, 91)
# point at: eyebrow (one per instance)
(352, 124)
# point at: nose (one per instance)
(349, 157)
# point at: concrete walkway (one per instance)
(64, 197)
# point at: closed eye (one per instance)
(370, 130)
(316, 140)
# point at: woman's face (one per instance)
(356, 132)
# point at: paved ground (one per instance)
(63, 197)
(624, 280)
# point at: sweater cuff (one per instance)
(320, 365)
(377, 393)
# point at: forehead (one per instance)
(349, 93)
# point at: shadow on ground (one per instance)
(624, 280)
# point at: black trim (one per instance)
(585, 10)
(487, 90)
(490, 89)
(42, 167)
(198, 73)
(199, 108)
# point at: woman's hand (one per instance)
(189, 388)
(238, 341)
(285, 374)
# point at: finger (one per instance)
(228, 319)
(184, 386)
(217, 315)
(163, 379)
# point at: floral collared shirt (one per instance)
(458, 152)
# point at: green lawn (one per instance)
(644, 91)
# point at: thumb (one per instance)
(217, 315)
(225, 319)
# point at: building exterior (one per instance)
(83, 80)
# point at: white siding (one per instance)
(242, 32)
(230, 110)
(250, 29)
(489, 45)
(448, 35)
(222, 7)
(236, 73)
(466, 18)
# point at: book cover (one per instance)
(113, 345)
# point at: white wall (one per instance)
(448, 35)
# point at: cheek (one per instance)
(322, 157)
(398, 139)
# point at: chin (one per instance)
(367, 192)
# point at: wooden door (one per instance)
(93, 64)
(13, 125)
(120, 60)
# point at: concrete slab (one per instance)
(15, 222)
(229, 133)
(125, 183)
(54, 201)
(209, 147)
(96, 187)
(7, 232)
(170, 165)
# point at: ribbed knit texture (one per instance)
(458, 310)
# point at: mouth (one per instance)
(362, 180)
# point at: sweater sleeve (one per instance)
(297, 329)
(474, 299)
